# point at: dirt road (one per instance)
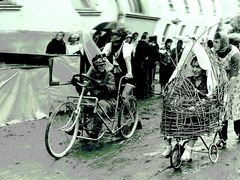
(23, 155)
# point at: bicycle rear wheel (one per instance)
(62, 129)
(128, 118)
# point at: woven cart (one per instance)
(186, 115)
(186, 112)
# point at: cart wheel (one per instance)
(61, 131)
(175, 158)
(213, 153)
(128, 117)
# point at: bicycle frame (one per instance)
(104, 119)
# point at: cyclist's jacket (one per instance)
(106, 88)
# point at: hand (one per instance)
(115, 63)
(129, 75)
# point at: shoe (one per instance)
(238, 137)
(167, 152)
(139, 125)
(186, 156)
(221, 144)
(72, 131)
(93, 135)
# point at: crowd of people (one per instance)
(142, 55)
(137, 60)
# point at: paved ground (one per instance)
(23, 155)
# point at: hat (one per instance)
(129, 35)
(75, 36)
(99, 59)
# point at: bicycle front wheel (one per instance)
(128, 118)
(62, 129)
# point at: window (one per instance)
(182, 30)
(209, 30)
(196, 30)
(135, 6)
(186, 6)
(83, 4)
(200, 7)
(9, 5)
(165, 32)
(214, 7)
(170, 3)
(5, 2)
(86, 3)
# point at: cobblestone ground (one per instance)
(23, 154)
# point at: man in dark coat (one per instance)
(57, 45)
(167, 64)
(154, 56)
(141, 56)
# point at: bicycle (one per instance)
(69, 121)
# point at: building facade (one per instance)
(164, 18)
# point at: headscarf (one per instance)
(224, 42)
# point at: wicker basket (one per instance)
(186, 115)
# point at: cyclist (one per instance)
(104, 89)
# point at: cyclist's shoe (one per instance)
(72, 131)
(167, 152)
(186, 156)
(139, 125)
(221, 144)
(93, 135)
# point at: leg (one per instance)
(188, 149)
(168, 149)
(237, 128)
(223, 135)
(105, 106)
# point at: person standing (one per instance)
(177, 51)
(167, 64)
(111, 49)
(57, 45)
(154, 57)
(119, 52)
(134, 42)
(74, 46)
(139, 61)
(229, 56)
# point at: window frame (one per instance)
(171, 5)
(214, 8)
(186, 6)
(196, 30)
(182, 30)
(136, 6)
(6, 5)
(165, 32)
(86, 4)
(200, 7)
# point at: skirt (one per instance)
(233, 104)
